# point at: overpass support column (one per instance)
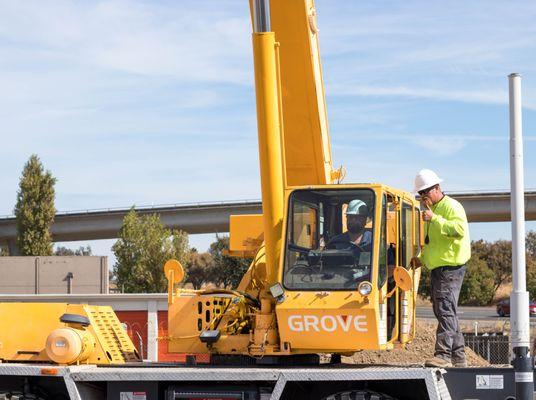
(152, 331)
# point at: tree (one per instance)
(481, 268)
(425, 283)
(531, 277)
(530, 244)
(143, 247)
(181, 246)
(227, 271)
(498, 256)
(65, 251)
(199, 269)
(478, 285)
(35, 209)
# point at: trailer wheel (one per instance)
(15, 395)
(358, 395)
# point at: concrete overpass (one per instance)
(214, 217)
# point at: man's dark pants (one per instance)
(446, 285)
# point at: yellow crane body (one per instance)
(321, 307)
(64, 334)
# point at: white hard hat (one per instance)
(425, 179)
(357, 207)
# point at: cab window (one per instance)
(417, 244)
(304, 225)
(329, 239)
(382, 263)
(406, 232)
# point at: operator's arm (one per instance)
(455, 226)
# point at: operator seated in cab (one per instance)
(356, 237)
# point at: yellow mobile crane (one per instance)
(312, 286)
(309, 289)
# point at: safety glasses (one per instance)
(426, 191)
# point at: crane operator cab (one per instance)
(347, 283)
(342, 279)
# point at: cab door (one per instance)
(389, 243)
(409, 247)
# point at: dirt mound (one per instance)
(415, 352)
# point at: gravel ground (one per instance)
(415, 352)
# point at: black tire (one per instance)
(358, 395)
(16, 395)
(501, 312)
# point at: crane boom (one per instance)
(306, 133)
(301, 126)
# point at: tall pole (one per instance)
(519, 299)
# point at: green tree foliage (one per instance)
(227, 271)
(489, 268)
(425, 283)
(199, 269)
(65, 251)
(4, 251)
(530, 244)
(181, 247)
(35, 209)
(498, 257)
(478, 285)
(143, 247)
(531, 277)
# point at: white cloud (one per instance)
(443, 146)
(437, 51)
(153, 39)
(466, 96)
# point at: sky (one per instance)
(152, 102)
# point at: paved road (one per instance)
(466, 313)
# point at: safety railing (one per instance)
(494, 348)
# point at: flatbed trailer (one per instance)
(149, 381)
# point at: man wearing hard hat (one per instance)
(356, 218)
(446, 252)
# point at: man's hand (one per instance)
(415, 262)
(425, 200)
(427, 215)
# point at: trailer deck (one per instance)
(170, 381)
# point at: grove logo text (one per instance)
(327, 323)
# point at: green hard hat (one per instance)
(357, 207)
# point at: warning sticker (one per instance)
(132, 396)
(490, 382)
(524, 376)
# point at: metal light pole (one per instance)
(519, 299)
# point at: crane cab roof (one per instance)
(342, 186)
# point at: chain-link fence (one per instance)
(493, 348)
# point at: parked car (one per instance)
(503, 308)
